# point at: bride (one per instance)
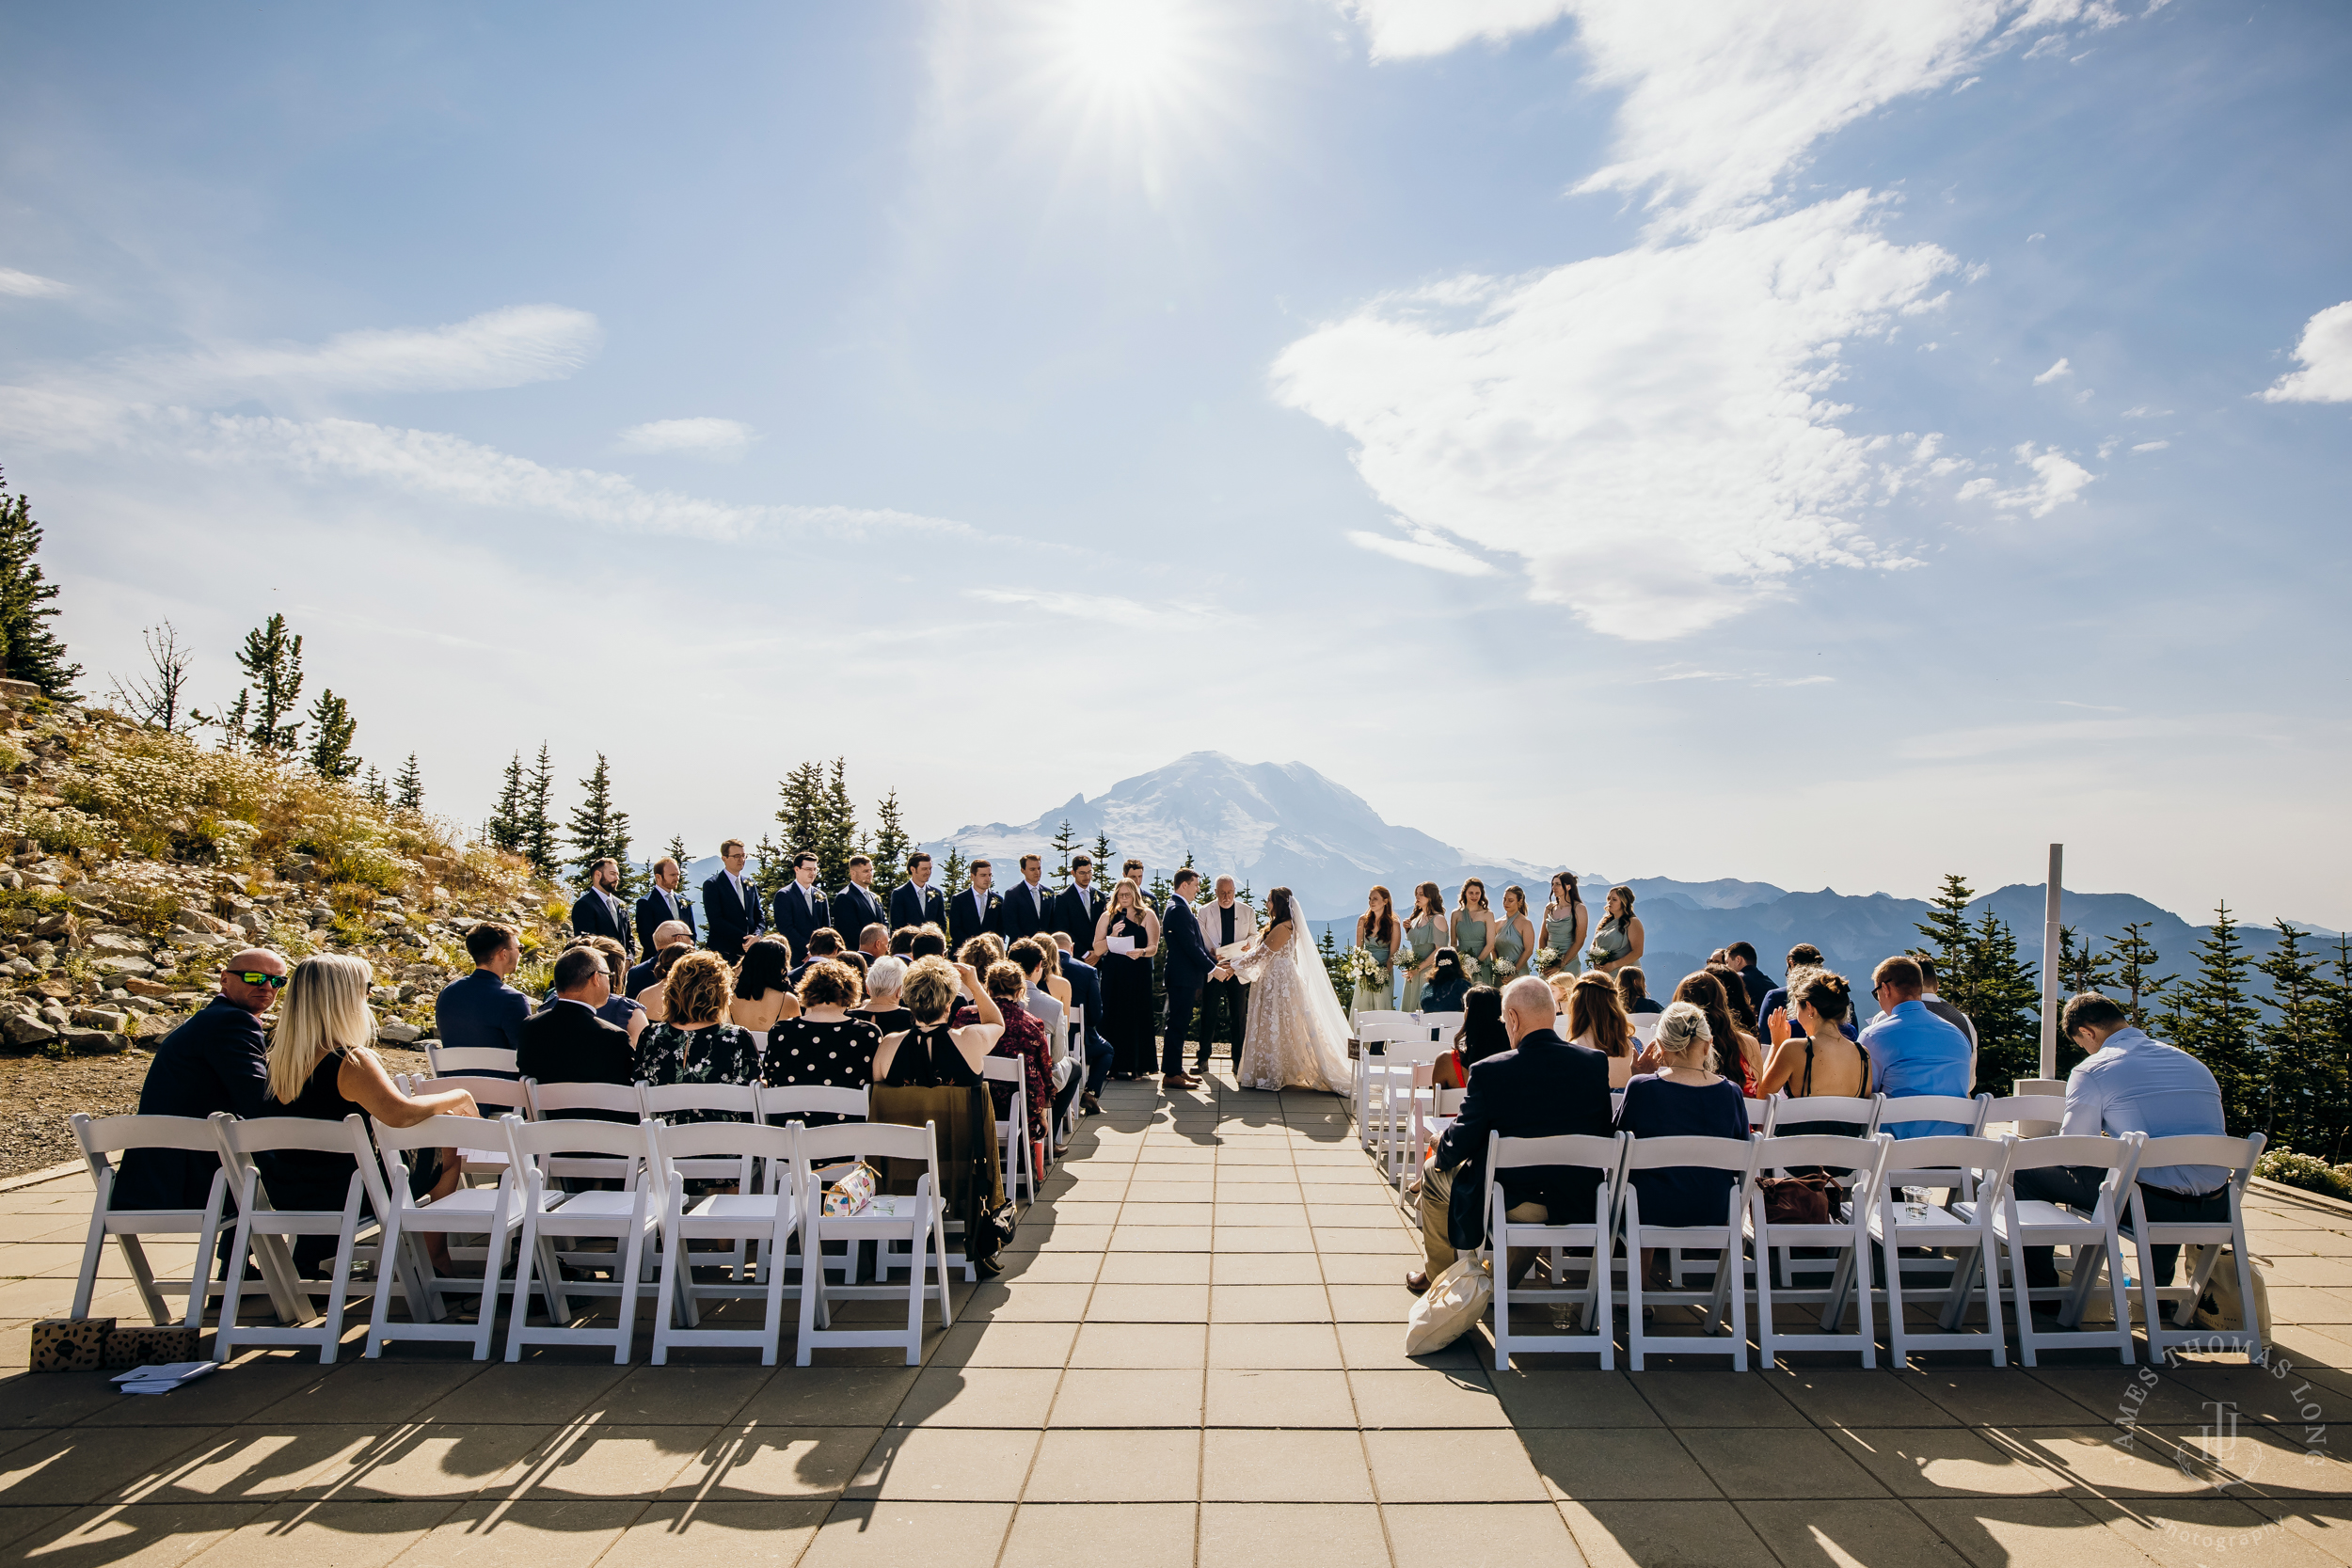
(1297, 1034)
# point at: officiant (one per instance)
(1224, 1004)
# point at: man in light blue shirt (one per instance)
(1912, 1051)
(2132, 1084)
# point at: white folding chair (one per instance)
(1759, 1116)
(560, 1101)
(1392, 1077)
(102, 1135)
(1012, 1130)
(1372, 1040)
(2203, 1238)
(1961, 1240)
(494, 1214)
(1845, 1235)
(2022, 1110)
(2022, 1223)
(1908, 1109)
(544, 1154)
(911, 1217)
(779, 1104)
(764, 1220)
(493, 1098)
(1594, 1234)
(1074, 1052)
(1441, 1106)
(1737, 1157)
(258, 1214)
(448, 1061)
(1859, 1112)
(1646, 1026)
(689, 1103)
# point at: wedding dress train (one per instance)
(1297, 1035)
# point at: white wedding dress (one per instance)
(1297, 1035)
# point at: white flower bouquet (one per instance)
(1549, 959)
(1363, 968)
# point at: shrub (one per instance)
(59, 831)
(2306, 1171)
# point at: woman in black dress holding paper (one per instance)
(1127, 1021)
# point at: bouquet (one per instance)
(1363, 968)
(1549, 959)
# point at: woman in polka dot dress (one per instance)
(827, 1044)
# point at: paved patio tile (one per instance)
(739, 1534)
(754, 1462)
(1787, 1464)
(2193, 1533)
(523, 1535)
(1654, 1534)
(1150, 1303)
(1274, 1398)
(1242, 1465)
(348, 1535)
(1144, 1465)
(1123, 1397)
(80, 1465)
(995, 1344)
(1577, 1398)
(604, 1461)
(1848, 1531)
(1270, 1304)
(1086, 1535)
(1166, 1345)
(1273, 1346)
(940, 1465)
(1608, 1464)
(2009, 1532)
(836, 1396)
(1427, 1399)
(530, 1394)
(1459, 1466)
(1478, 1533)
(1282, 1535)
(140, 1535)
(948, 1396)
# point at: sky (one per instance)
(1819, 443)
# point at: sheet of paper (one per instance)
(1125, 946)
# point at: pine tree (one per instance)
(1104, 873)
(891, 843)
(2081, 968)
(506, 830)
(2212, 1019)
(159, 698)
(232, 721)
(332, 730)
(773, 869)
(1064, 845)
(800, 808)
(272, 661)
(374, 789)
(1334, 964)
(2336, 1015)
(597, 830)
(2001, 995)
(954, 871)
(410, 785)
(836, 833)
(538, 819)
(29, 649)
(2135, 973)
(2306, 1079)
(675, 849)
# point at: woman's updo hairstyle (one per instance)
(931, 990)
(1827, 994)
(1682, 1028)
(1447, 966)
(1005, 981)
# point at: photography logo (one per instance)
(2251, 1426)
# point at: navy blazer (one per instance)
(639, 976)
(1086, 991)
(733, 921)
(966, 919)
(1189, 959)
(1075, 912)
(854, 908)
(481, 1011)
(1543, 1089)
(569, 1044)
(908, 907)
(652, 911)
(594, 917)
(212, 1062)
(796, 921)
(1025, 916)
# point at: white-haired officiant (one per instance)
(1225, 920)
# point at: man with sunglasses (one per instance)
(216, 1061)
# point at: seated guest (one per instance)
(1541, 1087)
(1733, 1045)
(874, 941)
(694, 1042)
(1597, 1018)
(1820, 1061)
(1634, 990)
(1753, 986)
(623, 1012)
(883, 1006)
(669, 934)
(1481, 1036)
(1049, 971)
(1741, 1018)
(903, 943)
(934, 1053)
(823, 942)
(216, 1061)
(1803, 956)
(1030, 954)
(2132, 1084)
(570, 1041)
(651, 998)
(322, 1065)
(981, 952)
(1024, 1039)
(1912, 1051)
(1086, 991)
(1039, 958)
(857, 961)
(1686, 1097)
(482, 1011)
(929, 942)
(1449, 982)
(823, 1042)
(763, 993)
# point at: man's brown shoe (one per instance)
(1178, 1081)
(1416, 1282)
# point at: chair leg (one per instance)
(525, 1257)
(665, 1311)
(486, 1309)
(774, 1327)
(232, 1299)
(144, 1276)
(811, 1293)
(632, 1265)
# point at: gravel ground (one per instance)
(38, 1094)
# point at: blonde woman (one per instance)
(1564, 921)
(1685, 1098)
(1127, 1020)
(932, 1055)
(1425, 932)
(1515, 939)
(322, 1065)
(695, 1042)
(1474, 927)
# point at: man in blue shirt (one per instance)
(1912, 1051)
(483, 1011)
(2131, 1083)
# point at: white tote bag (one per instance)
(1454, 1301)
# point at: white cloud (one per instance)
(507, 347)
(2152, 445)
(2326, 355)
(2053, 373)
(1746, 678)
(1421, 547)
(2144, 412)
(2058, 479)
(704, 438)
(1103, 608)
(30, 285)
(1401, 29)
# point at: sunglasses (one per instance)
(255, 977)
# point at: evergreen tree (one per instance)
(332, 731)
(1104, 873)
(2135, 973)
(538, 819)
(772, 871)
(1064, 845)
(2306, 1079)
(954, 871)
(836, 834)
(505, 829)
(2336, 1017)
(2212, 1019)
(29, 649)
(272, 661)
(159, 698)
(675, 849)
(1334, 964)
(410, 785)
(1947, 933)
(891, 843)
(2001, 995)
(2081, 968)
(232, 721)
(374, 789)
(801, 809)
(596, 829)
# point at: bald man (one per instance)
(216, 1061)
(670, 933)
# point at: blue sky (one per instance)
(1824, 444)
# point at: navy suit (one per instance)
(1086, 991)
(481, 1012)
(800, 912)
(212, 1062)
(596, 915)
(733, 921)
(1027, 913)
(653, 910)
(967, 919)
(1543, 1089)
(1189, 962)
(639, 976)
(569, 1044)
(1076, 911)
(854, 908)
(909, 908)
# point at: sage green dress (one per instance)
(1373, 997)
(1470, 941)
(1510, 950)
(1610, 939)
(1423, 939)
(1560, 936)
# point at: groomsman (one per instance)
(977, 907)
(597, 911)
(1029, 908)
(731, 904)
(915, 901)
(801, 906)
(858, 905)
(1079, 905)
(661, 905)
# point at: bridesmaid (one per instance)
(1564, 921)
(1375, 933)
(1474, 933)
(1618, 941)
(1426, 933)
(1515, 939)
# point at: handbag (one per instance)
(1808, 1199)
(852, 1191)
(1454, 1301)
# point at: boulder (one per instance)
(124, 966)
(94, 1042)
(58, 926)
(25, 1030)
(397, 1032)
(156, 1026)
(55, 988)
(139, 987)
(100, 1018)
(117, 942)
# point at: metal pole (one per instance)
(2050, 942)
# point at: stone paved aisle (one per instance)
(1193, 1358)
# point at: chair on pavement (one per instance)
(2023, 1111)
(1012, 1129)
(779, 1104)
(259, 1216)
(1844, 1237)
(758, 1222)
(494, 1214)
(1371, 1070)
(2204, 1238)
(2022, 1223)
(448, 1060)
(101, 1136)
(1737, 1157)
(1593, 1234)
(823, 1154)
(1963, 1242)
(1906, 1110)
(544, 1154)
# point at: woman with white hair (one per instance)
(1686, 1097)
(885, 1007)
(322, 1065)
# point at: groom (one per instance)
(1190, 965)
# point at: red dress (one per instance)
(1024, 1037)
